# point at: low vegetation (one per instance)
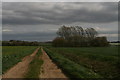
(72, 69)
(101, 60)
(35, 65)
(80, 62)
(11, 55)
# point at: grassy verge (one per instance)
(34, 67)
(72, 69)
(11, 55)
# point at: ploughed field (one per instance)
(86, 62)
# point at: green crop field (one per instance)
(85, 62)
(13, 54)
(81, 62)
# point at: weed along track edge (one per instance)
(50, 69)
(20, 69)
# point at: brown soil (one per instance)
(50, 69)
(20, 69)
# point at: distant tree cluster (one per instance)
(19, 43)
(76, 36)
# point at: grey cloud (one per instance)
(108, 32)
(43, 36)
(30, 36)
(39, 21)
(58, 13)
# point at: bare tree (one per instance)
(77, 36)
(91, 33)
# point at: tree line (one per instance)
(76, 36)
(19, 43)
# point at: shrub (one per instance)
(100, 41)
(59, 42)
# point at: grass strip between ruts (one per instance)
(35, 65)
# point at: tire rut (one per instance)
(20, 69)
(50, 69)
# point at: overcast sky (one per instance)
(40, 21)
(60, 0)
